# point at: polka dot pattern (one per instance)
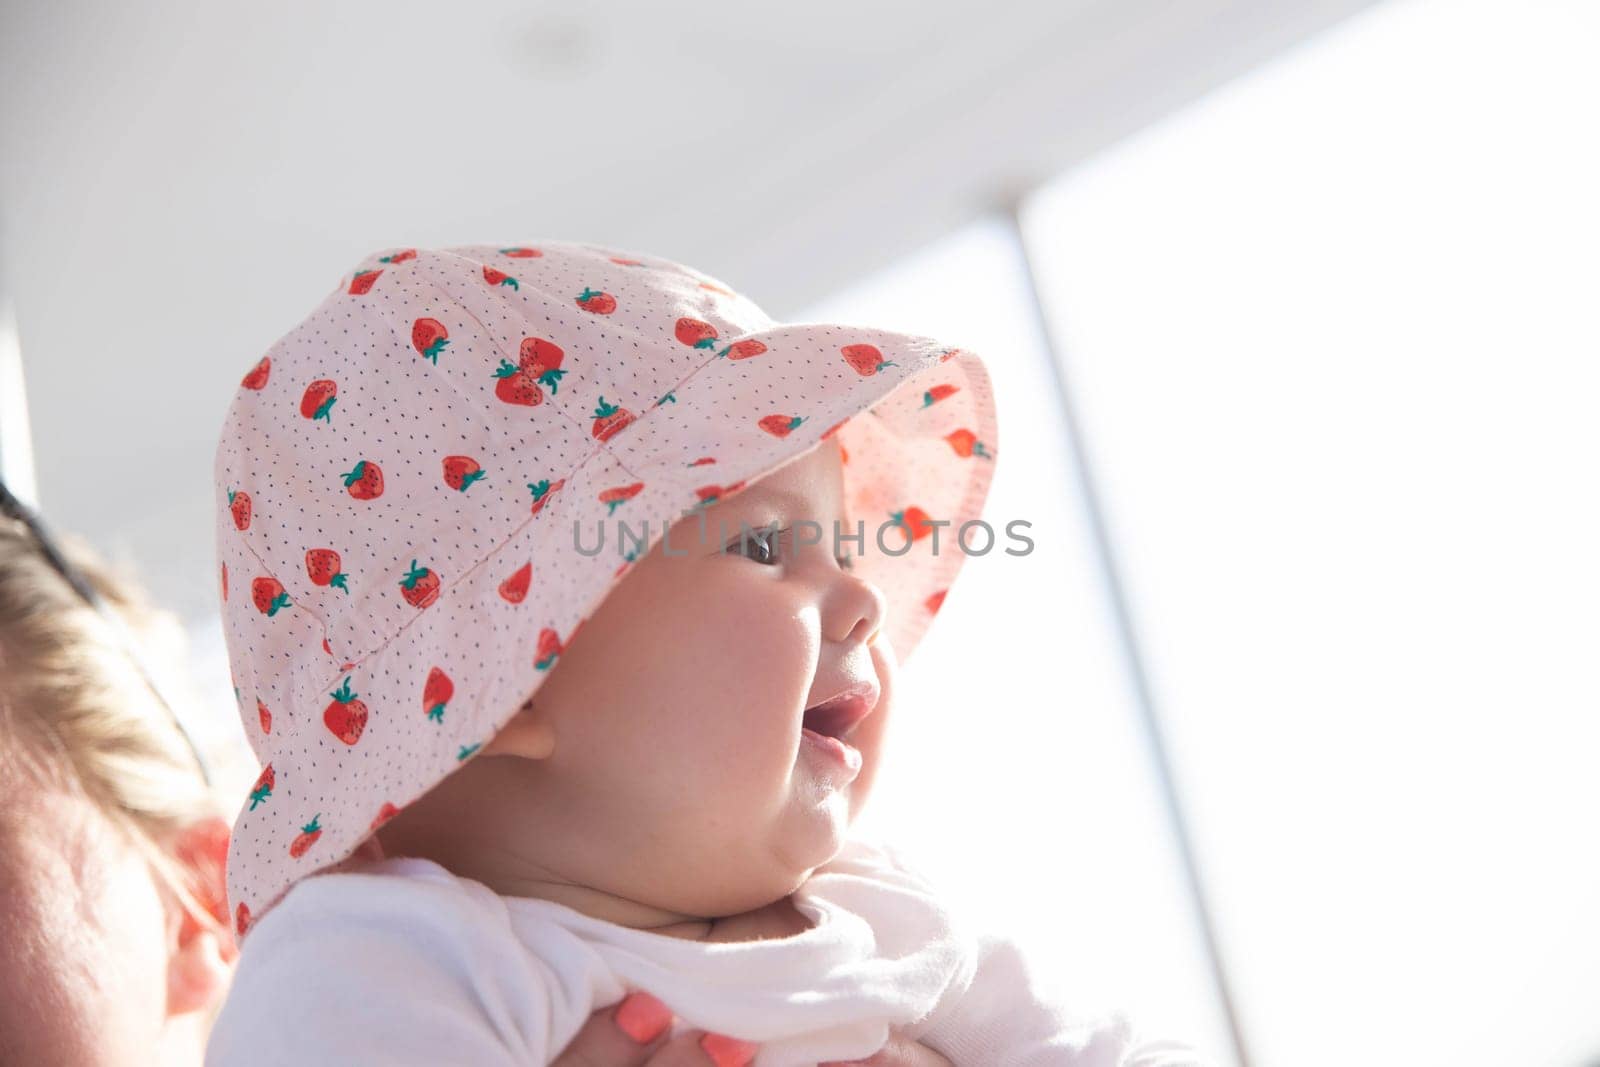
(400, 475)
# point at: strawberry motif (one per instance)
(308, 837)
(264, 715)
(780, 425)
(831, 430)
(609, 419)
(361, 283)
(420, 586)
(322, 565)
(514, 386)
(626, 262)
(385, 813)
(365, 482)
(696, 334)
(549, 648)
(665, 398)
(429, 337)
(865, 360)
(935, 601)
(269, 596)
(616, 495)
(947, 353)
(514, 588)
(325, 647)
(467, 750)
(710, 494)
(263, 787)
(224, 583)
(542, 490)
(239, 504)
(241, 918)
(743, 349)
(496, 277)
(257, 378)
(521, 253)
(460, 472)
(319, 399)
(399, 257)
(597, 301)
(844, 454)
(436, 693)
(541, 360)
(966, 443)
(938, 393)
(915, 520)
(345, 717)
(703, 461)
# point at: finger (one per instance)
(698, 1049)
(624, 1035)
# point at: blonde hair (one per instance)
(77, 717)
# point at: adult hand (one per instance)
(634, 1032)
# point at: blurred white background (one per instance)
(1319, 281)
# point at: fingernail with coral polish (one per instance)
(643, 1017)
(728, 1051)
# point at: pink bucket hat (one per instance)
(399, 477)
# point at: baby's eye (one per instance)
(763, 542)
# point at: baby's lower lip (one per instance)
(831, 749)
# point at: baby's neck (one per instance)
(778, 919)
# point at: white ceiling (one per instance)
(180, 182)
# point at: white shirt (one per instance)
(402, 962)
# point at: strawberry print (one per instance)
(263, 716)
(308, 837)
(499, 277)
(915, 520)
(460, 472)
(399, 257)
(618, 494)
(346, 716)
(743, 349)
(257, 378)
(319, 399)
(695, 333)
(420, 586)
(241, 918)
(542, 490)
(322, 567)
(831, 430)
(467, 750)
(937, 393)
(224, 583)
(710, 494)
(429, 337)
(365, 482)
(780, 425)
(436, 693)
(521, 253)
(361, 283)
(538, 363)
(385, 813)
(269, 596)
(239, 504)
(626, 262)
(844, 454)
(597, 301)
(703, 461)
(966, 443)
(935, 601)
(263, 787)
(665, 398)
(514, 386)
(865, 360)
(515, 588)
(544, 656)
(609, 419)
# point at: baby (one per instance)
(475, 827)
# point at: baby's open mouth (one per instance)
(838, 716)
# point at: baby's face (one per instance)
(679, 777)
